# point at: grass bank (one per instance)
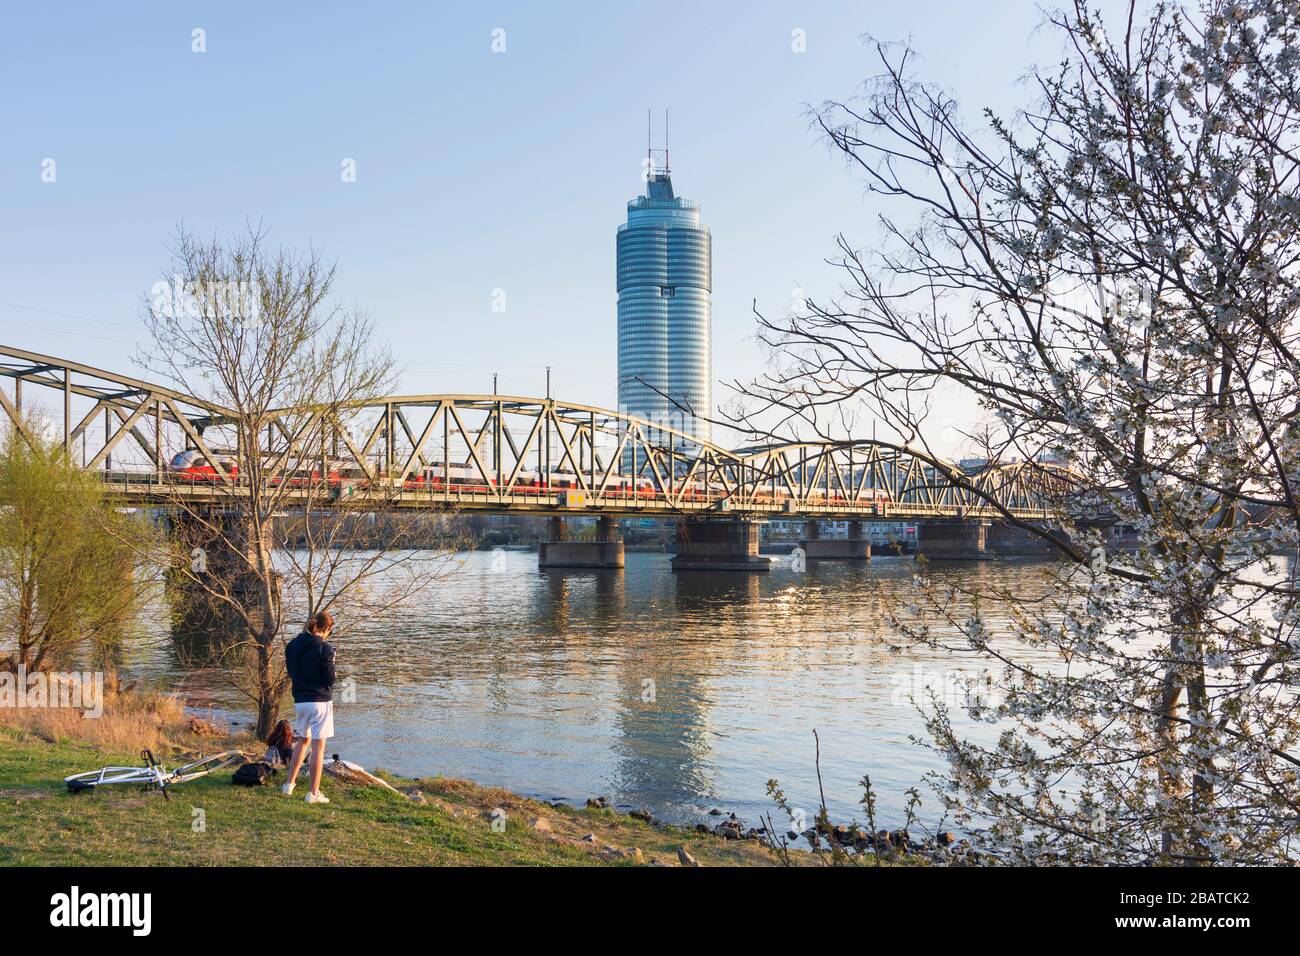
(447, 824)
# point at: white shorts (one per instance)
(314, 719)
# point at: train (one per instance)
(193, 466)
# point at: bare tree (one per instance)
(1111, 276)
(255, 334)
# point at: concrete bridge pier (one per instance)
(220, 550)
(856, 547)
(1009, 541)
(559, 551)
(1122, 538)
(952, 539)
(718, 545)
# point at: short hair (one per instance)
(320, 622)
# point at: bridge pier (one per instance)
(221, 551)
(1009, 541)
(713, 545)
(855, 547)
(952, 539)
(1121, 538)
(606, 551)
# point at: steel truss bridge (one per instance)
(489, 453)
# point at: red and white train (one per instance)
(193, 466)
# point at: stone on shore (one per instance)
(631, 853)
(729, 830)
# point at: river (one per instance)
(679, 693)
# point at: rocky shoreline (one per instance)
(943, 848)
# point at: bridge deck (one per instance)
(150, 490)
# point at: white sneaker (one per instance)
(317, 798)
(287, 789)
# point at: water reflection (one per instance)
(676, 692)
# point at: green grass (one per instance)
(41, 824)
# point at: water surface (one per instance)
(675, 692)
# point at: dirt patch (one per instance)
(18, 794)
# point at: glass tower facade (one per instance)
(665, 272)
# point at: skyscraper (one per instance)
(664, 273)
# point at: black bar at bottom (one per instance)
(571, 903)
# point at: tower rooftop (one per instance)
(659, 185)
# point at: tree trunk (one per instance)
(266, 586)
(268, 696)
(1186, 670)
(1167, 731)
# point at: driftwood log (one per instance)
(353, 773)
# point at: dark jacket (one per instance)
(310, 660)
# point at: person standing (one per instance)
(309, 658)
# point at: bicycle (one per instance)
(153, 774)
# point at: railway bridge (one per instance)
(160, 448)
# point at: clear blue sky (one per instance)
(475, 170)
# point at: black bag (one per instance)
(253, 774)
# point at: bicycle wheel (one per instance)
(204, 766)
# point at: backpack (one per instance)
(253, 774)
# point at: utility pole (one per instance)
(494, 383)
(548, 381)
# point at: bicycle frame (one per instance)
(153, 774)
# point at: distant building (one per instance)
(877, 532)
(664, 276)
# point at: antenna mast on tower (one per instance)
(657, 159)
